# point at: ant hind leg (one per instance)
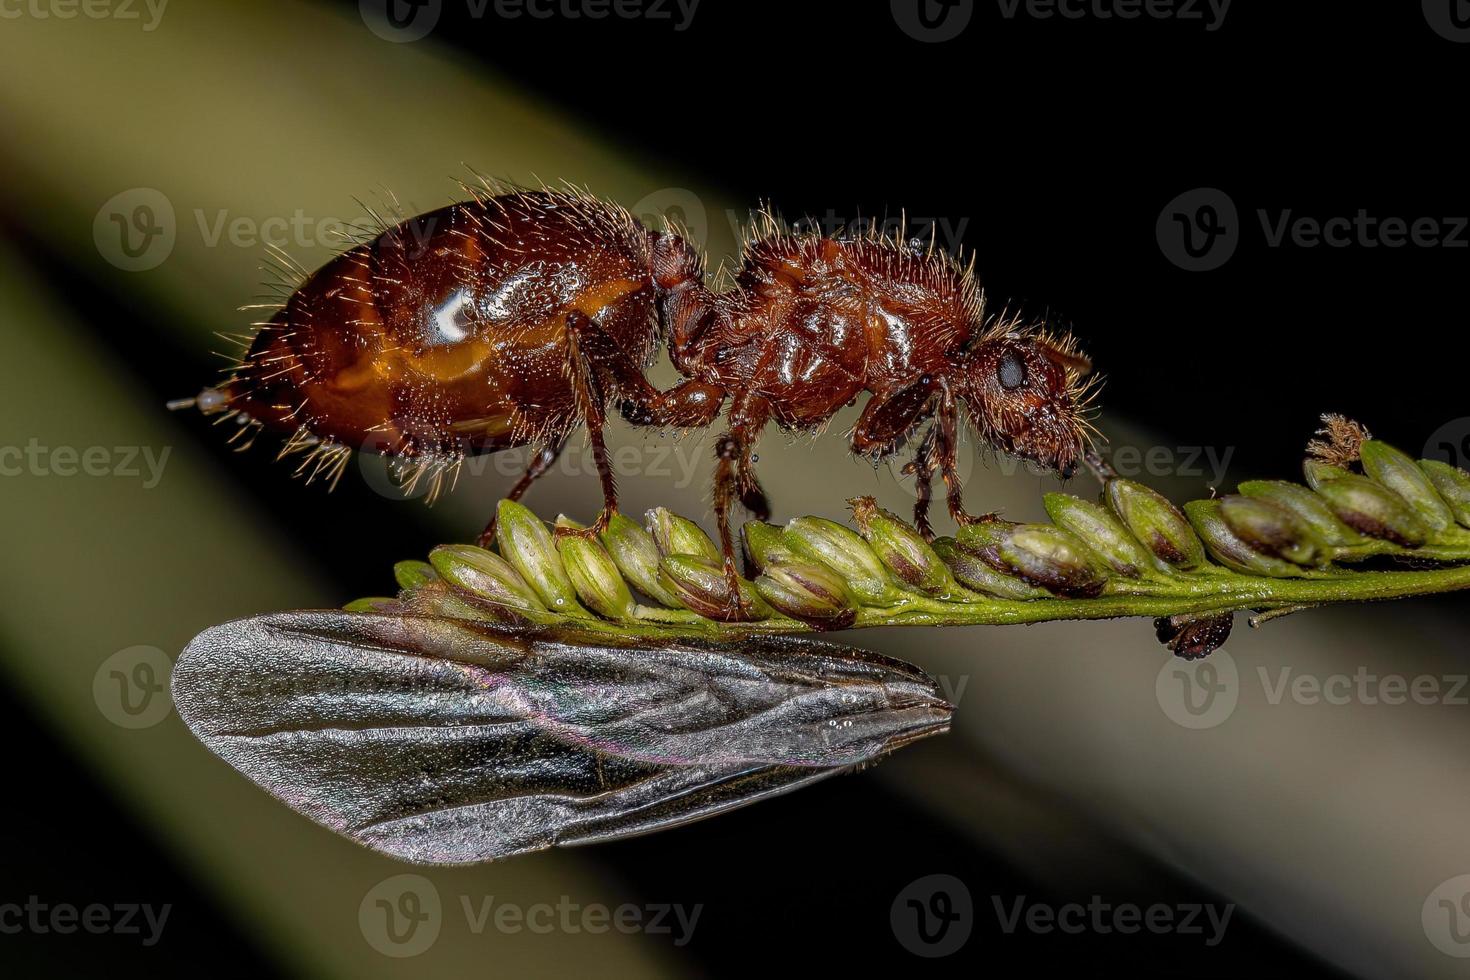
(735, 480)
(535, 469)
(592, 405)
(752, 496)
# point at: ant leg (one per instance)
(687, 405)
(886, 420)
(537, 468)
(592, 404)
(922, 469)
(748, 416)
(752, 497)
(947, 422)
(687, 309)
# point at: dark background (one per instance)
(1060, 142)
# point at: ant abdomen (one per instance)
(449, 333)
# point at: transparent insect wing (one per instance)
(440, 741)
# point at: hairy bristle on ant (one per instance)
(515, 317)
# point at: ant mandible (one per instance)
(517, 316)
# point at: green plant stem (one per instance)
(1179, 596)
(1215, 591)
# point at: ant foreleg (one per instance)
(883, 425)
(922, 469)
(947, 423)
(537, 468)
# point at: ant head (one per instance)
(1027, 396)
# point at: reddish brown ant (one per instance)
(515, 317)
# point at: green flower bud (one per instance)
(700, 585)
(1453, 485)
(901, 549)
(1399, 473)
(811, 593)
(846, 553)
(594, 575)
(373, 604)
(1156, 522)
(635, 553)
(439, 600)
(1318, 472)
(973, 573)
(1308, 507)
(677, 535)
(1374, 510)
(484, 575)
(1039, 554)
(410, 574)
(1053, 558)
(1227, 548)
(1271, 529)
(1100, 531)
(764, 544)
(984, 535)
(526, 543)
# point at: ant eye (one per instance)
(1012, 372)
